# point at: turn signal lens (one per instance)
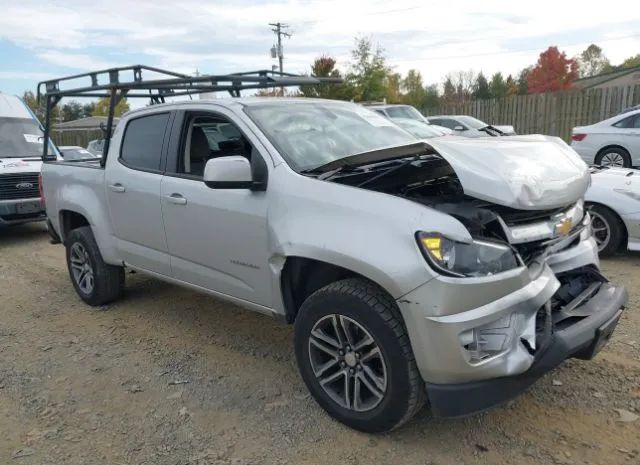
(432, 244)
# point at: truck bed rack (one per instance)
(128, 81)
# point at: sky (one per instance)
(46, 39)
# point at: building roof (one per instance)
(592, 81)
(92, 122)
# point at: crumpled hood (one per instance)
(524, 172)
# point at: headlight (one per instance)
(478, 258)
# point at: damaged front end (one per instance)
(514, 301)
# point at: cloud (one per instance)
(217, 37)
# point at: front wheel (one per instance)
(96, 282)
(607, 228)
(354, 355)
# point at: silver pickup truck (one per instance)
(458, 270)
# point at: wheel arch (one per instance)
(602, 150)
(302, 276)
(70, 220)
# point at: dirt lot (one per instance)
(167, 376)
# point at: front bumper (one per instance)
(449, 318)
(580, 340)
(19, 211)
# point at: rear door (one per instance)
(133, 177)
(217, 238)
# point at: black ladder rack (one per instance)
(165, 84)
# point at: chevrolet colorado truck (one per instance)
(455, 271)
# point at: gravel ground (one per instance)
(168, 376)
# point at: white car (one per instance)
(614, 203)
(419, 129)
(404, 112)
(612, 142)
(75, 152)
(468, 126)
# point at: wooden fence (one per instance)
(553, 113)
(80, 137)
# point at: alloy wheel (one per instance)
(347, 363)
(601, 230)
(81, 268)
(612, 159)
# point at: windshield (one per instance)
(20, 137)
(471, 122)
(404, 112)
(417, 129)
(309, 135)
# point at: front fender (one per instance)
(367, 232)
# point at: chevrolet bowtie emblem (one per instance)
(564, 227)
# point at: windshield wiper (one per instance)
(491, 130)
(390, 170)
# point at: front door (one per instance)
(133, 180)
(217, 238)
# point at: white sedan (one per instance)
(614, 203)
(612, 142)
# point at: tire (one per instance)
(102, 283)
(609, 239)
(613, 156)
(367, 312)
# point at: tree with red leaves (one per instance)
(553, 72)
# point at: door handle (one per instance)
(117, 187)
(176, 199)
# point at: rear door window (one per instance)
(631, 122)
(143, 140)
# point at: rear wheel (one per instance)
(354, 355)
(614, 156)
(96, 282)
(608, 230)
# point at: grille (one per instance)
(513, 217)
(9, 186)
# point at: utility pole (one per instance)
(279, 31)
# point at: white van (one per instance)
(21, 139)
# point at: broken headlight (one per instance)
(477, 258)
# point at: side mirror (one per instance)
(458, 128)
(233, 172)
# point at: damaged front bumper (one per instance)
(481, 341)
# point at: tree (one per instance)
(592, 61)
(449, 90)
(631, 62)
(498, 86)
(512, 86)
(71, 111)
(523, 80)
(325, 66)
(102, 107)
(393, 94)
(553, 72)
(413, 88)
(38, 109)
(369, 71)
(431, 96)
(87, 109)
(481, 87)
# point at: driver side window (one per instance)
(208, 137)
